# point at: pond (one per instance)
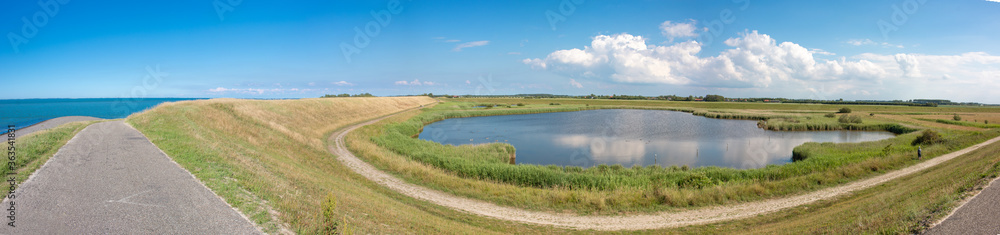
(629, 137)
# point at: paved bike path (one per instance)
(110, 179)
(981, 215)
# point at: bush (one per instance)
(849, 119)
(553, 103)
(697, 180)
(830, 115)
(845, 110)
(329, 206)
(929, 137)
(957, 118)
(520, 104)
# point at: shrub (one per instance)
(849, 119)
(929, 137)
(845, 110)
(830, 115)
(520, 104)
(553, 103)
(957, 118)
(329, 206)
(697, 180)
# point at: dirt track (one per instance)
(630, 222)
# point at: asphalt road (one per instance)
(110, 179)
(981, 215)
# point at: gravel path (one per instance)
(110, 179)
(629, 222)
(980, 215)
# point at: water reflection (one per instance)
(635, 137)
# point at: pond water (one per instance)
(630, 137)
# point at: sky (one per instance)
(852, 50)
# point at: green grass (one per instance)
(34, 149)
(485, 174)
(962, 123)
(264, 150)
(907, 205)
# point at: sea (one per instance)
(26, 112)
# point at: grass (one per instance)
(252, 154)
(483, 171)
(269, 160)
(907, 205)
(34, 149)
(962, 123)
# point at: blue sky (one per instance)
(865, 50)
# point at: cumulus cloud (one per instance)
(572, 82)
(673, 30)
(342, 83)
(909, 64)
(755, 60)
(470, 44)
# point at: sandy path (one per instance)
(629, 222)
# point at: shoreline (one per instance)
(50, 123)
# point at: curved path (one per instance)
(628, 222)
(110, 179)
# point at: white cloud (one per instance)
(416, 82)
(312, 84)
(909, 64)
(993, 0)
(260, 91)
(867, 42)
(755, 63)
(342, 83)
(755, 60)
(859, 42)
(818, 51)
(572, 82)
(678, 30)
(468, 82)
(471, 44)
(452, 40)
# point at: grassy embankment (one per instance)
(482, 171)
(34, 149)
(225, 145)
(269, 160)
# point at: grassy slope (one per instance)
(236, 154)
(268, 159)
(35, 149)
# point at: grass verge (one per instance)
(34, 149)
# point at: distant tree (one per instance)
(714, 98)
